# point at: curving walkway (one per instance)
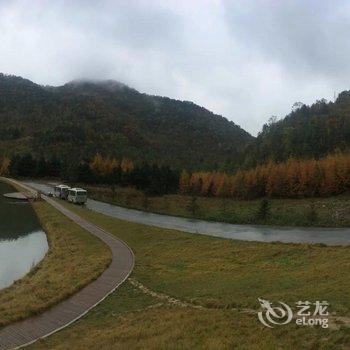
(63, 314)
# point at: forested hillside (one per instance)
(80, 119)
(307, 132)
(76, 121)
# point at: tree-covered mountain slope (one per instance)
(307, 132)
(79, 119)
(82, 118)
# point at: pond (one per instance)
(22, 241)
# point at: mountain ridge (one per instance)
(84, 117)
(76, 120)
(312, 131)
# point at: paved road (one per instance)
(63, 314)
(328, 236)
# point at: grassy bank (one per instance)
(74, 259)
(221, 275)
(319, 212)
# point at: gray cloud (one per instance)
(246, 60)
(305, 36)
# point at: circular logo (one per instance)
(274, 315)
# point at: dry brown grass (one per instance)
(74, 259)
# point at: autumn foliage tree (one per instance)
(127, 165)
(151, 179)
(4, 165)
(184, 184)
(292, 179)
(103, 166)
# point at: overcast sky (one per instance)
(247, 60)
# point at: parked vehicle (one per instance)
(61, 191)
(77, 195)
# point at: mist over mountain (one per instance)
(82, 118)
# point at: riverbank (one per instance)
(316, 212)
(217, 279)
(75, 258)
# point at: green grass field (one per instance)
(129, 319)
(319, 212)
(224, 277)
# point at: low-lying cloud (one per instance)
(246, 60)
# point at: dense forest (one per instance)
(80, 119)
(307, 132)
(150, 178)
(107, 133)
(292, 179)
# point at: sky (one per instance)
(246, 60)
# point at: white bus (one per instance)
(77, 195)
(61, 191)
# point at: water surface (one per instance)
(22, 242)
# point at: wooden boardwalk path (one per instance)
(66, 312)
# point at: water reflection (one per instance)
(18, 256)
(22, 242)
